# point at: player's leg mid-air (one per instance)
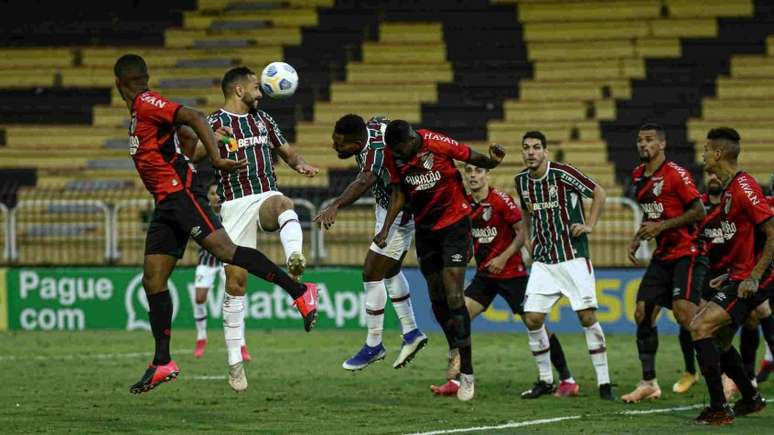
(252, 201)
(560, 252)
(180, 212)
(498, 237)
(382, 275)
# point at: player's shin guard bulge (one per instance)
(541, 350)
(233, 317)
(292, 238)
(595, 340)
(460, 324)
(375, 300)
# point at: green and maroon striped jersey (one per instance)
(256, 135)
(371, 159)
(554, 202)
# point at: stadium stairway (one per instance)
(681, 87)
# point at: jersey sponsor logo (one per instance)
(134, 141)
(729, 229)
(658, 187)
(150, 99)
(196, 231)
(653, 209)
(456, 258)
(571, 181)
(544, 205)
(552, 190)
(251, 141)
(727, 204)
(484, 235)
(424, 181)
(748, 190)
(434, 136)
(713, 234)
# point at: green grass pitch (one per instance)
(65, 382)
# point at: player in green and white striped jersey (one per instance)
(382, 275)
(552, 193)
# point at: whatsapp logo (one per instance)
(136, 304)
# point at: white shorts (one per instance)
(399, 237)
(205, 275)
(548, 282)
(240, 218)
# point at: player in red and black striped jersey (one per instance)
(672, 208)
(426, 179)
(181, 210)
(743, 211)
(498, 236)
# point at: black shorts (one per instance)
(665, 281)
(483, 290)
(177, 217)
(739, 309)
(707, 293)
(451, 246)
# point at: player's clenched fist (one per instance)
(496, 152)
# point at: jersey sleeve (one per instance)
(443, 144)
(275, 134)
(374, 161)
(390, 166)
(214, 121)
(575, 179)
(157, 108)
(755, 204)
(685, 188)
(508, 208)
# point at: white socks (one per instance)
(767, 357)
(375, 299)
(541, 350)
(233, 326)
(200, 317)
(243, 343)
(595, 341)
(398, 289)
(291, 235)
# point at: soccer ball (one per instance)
(279, 80)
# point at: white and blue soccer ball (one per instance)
(279, 80)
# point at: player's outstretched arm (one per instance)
(354, 190)
(296, 161)
(750, 285)
(198, 123)
(694, 214)
(496, 155)
(397, 201)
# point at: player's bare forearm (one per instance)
(397, 201)
(517, 242)
(200, 152)
(355, 189)
(482, 161)
(767, 256)
(197, 121)
(597, 204)
(290, 155)
(695, 213)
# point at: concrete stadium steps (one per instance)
(172, 58)
(22, 136)
(183, 38)
(618, 30)
(592, 71)
(577, 90)
(399, 74)
(203, 20)
(549, 111)
(365, 93)
(512, 131)
(220, 5)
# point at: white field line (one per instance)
(207, 378)
(555, 420)
(117, 355)
(501, 426)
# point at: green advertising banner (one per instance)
(113, 298)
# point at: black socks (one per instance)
(160, 315)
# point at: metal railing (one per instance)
(112, 231)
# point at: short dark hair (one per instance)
(725, 139)
(130, 64)
(351, 126)
(535, 135)
(660, 132)
(232, 76)
(398, 131)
